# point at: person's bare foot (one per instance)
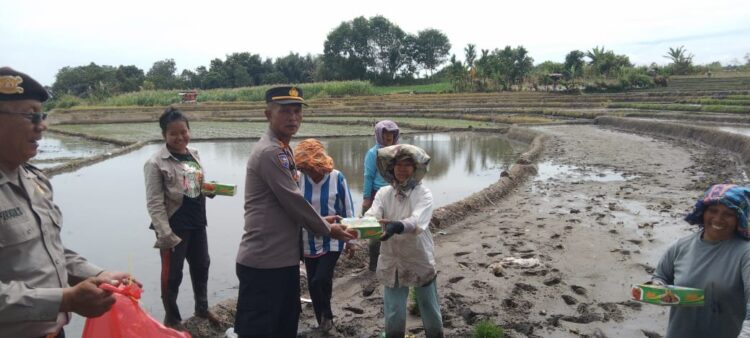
(176, 325)
(211, 317)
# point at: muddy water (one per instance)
(106, 220)
(737, 130)
(55, 149)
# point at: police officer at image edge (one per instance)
(41, 281)
(275, 211)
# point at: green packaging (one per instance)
(219, 188)
(669, 295)
(367, 227)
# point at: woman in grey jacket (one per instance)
(174, 177)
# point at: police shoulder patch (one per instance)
(284, 159)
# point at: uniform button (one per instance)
(28, 231)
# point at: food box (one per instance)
(219, 188)
(667, 295)
(367, 227)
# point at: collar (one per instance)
(165, 153)
(275, 139)
(22, 172)
(3, 178)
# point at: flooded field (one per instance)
(55, 149)
(737, 130)
(106, 219)
(133, 132)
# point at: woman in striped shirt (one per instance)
(326, 190)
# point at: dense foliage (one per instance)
(377, 51)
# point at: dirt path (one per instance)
(595, 229)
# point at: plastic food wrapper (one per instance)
(366, 227)
(219, 188)
(667, 295)
(126, 318)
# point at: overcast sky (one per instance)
(40, 37)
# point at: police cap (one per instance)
(16, 86)
(285, 95)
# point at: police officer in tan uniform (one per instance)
(41, 281)
(275, 210)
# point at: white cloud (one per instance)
(41, 37)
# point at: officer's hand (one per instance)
(338, 231)
(117, 277)
(350, 249)
(87, 299)
(392, 228)
(332, 219)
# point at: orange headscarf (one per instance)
(310, 155)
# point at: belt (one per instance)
(60, 334)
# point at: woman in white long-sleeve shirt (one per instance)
(717, 259)
(407, 257)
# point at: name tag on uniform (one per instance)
(284, 159)
(6, 215)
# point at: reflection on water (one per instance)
(736, 130)
(548, 170)
(106, 220)
(55, 149)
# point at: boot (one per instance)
(374, 249)
(326, 325)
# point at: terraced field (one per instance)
(729, 96)
(200, 130)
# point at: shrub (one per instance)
(64, 101)
(486, 329)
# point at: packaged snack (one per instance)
(367, 227)
(667, 295)
(219, 188)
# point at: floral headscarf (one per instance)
(310, 155)
(387, 158)
(733, 197)
(386, 125)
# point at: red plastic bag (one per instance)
(126, 319)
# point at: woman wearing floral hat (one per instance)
(715, 258)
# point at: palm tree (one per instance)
(681, 60)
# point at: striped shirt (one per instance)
(328, 197)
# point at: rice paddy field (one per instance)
(352, 108)
(204, 130)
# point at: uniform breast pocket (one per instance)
(14, 233)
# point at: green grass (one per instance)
(318, 90)
(133, 132)
(257, 93)
(441, 87)
(486, 329)
(720, 102)
(414, 121)
(500, 120)
(683, 107)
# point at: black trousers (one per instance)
(194, 249)
(268, 304)
(320, 283)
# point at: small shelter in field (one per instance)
(555, 79)
(189, 96)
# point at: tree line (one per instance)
(377, 50)
(373, 49)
